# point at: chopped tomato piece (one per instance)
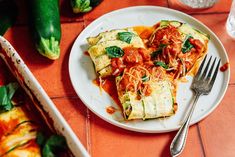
(224, 67)
(145, 54)
(132, 56)
(86, 53)
(110, 109)
(174, 49)
(197, 44)
(147, 90)
(117, 66)
(175, 107)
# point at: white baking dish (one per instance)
(41, 100)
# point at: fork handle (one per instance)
(178, 143)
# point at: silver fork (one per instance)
(202, 85)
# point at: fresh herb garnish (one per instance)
(145, 78)
(158, 51)
(114, 52)
(6, 94)
(51, 145)
(187, 46)
(162, 64)
(125, 36)
(40, 139)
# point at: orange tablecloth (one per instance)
(212, 137)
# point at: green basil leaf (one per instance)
(41, 139)
(125, 36)
(56, 141)
(5, 104)
(158, 51)
(12, 87)
(187, 46)
(47, 151)
(145, 78)
(162, 64)
(6, 94)
(114, 52)
(52, 145)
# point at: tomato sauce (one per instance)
(32, 143)
(6, 127)
(108, 85)
(143, 31)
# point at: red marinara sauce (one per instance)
(109, 86)
(224, 67)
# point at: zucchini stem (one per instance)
(49, 48)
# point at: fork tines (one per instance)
(211, 75)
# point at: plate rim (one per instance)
(133, 128)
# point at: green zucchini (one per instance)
(45, 27)
(8, 14)
(164, 23)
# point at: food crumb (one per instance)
(184, 80)
(110, 109)
(224, 67)
(86, 53)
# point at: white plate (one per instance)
(82, 72)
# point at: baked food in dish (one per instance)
(55, 132)
(18, 134)
(147, 63)
(23, 131)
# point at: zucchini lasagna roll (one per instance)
(104, 46)
(18, 130)
(22, 132)
(178, 45)
(145, 93)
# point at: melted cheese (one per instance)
(19, 132)
(15, 113)
(27, 152)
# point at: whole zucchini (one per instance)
(8, 14)
(45, 26)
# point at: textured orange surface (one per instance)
(212, 137)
